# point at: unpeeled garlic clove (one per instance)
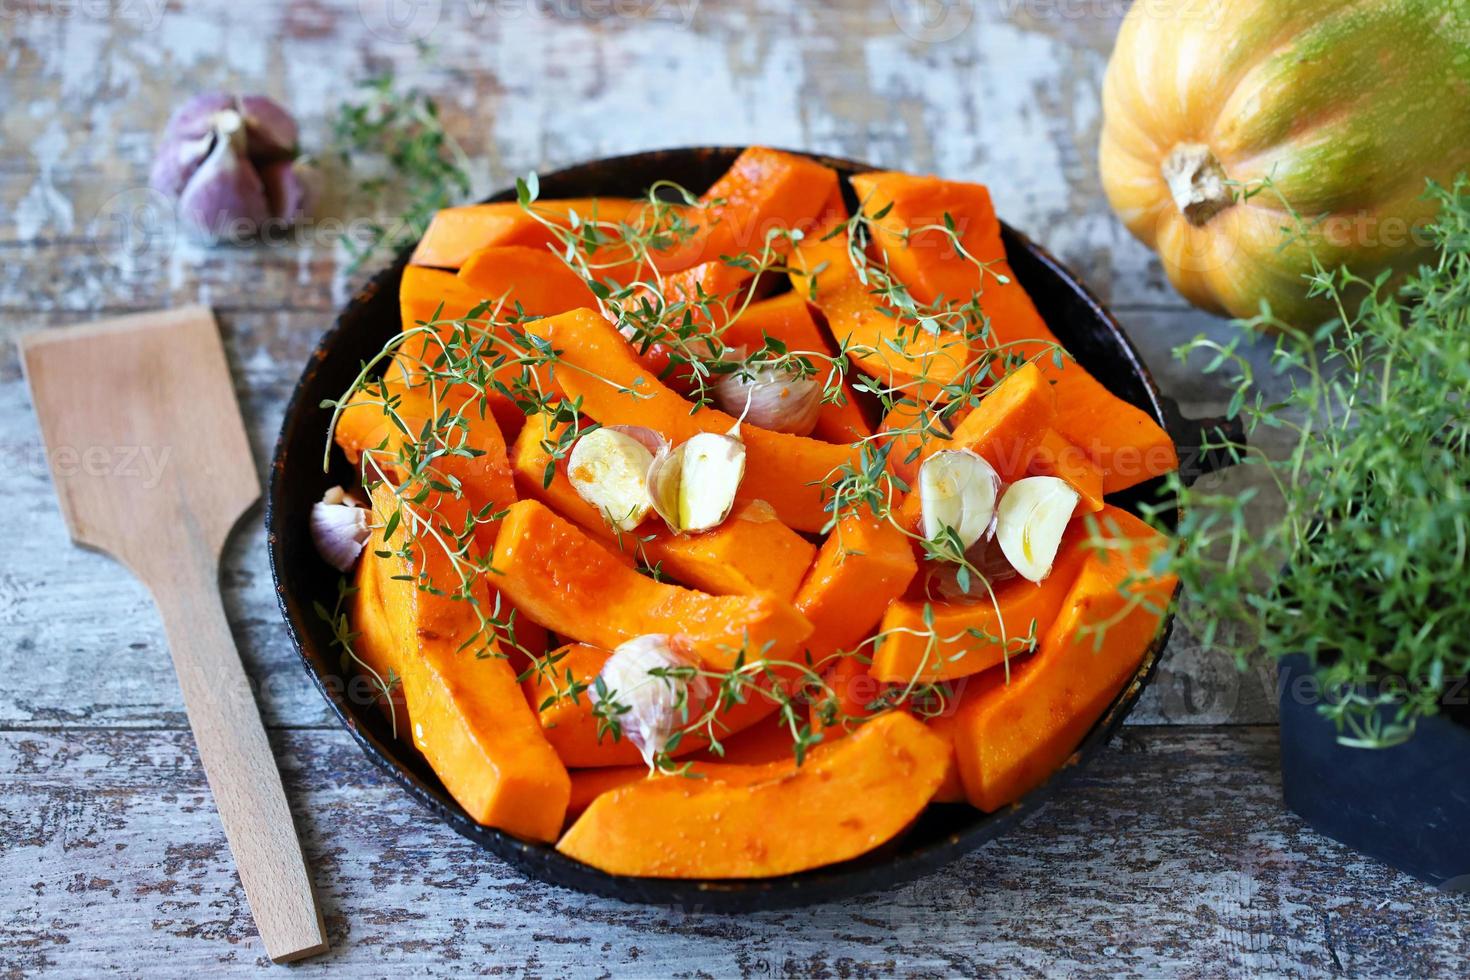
(609, 469)
(693, 486)
(292, 188)
(652, 700)
(1030, 521)
(270, 130)
(957, 490)
(340, 528)
(771, 398)
(224, 195)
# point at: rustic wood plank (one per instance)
(1173, 856)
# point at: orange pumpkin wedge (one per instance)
(862, 565)
(1055, 456)
(469, 718)
(764, 191)
(1120, 438)
(849, 797)
(375, 645)
(533, 281)
(952, 788)
(881, 344)
(422, 294)
(934, 641)
(484, 477)
(597, 369)
(454, 234)
(1010, 736)
(751, 552)
(561, 578)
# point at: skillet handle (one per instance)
(1203, 444)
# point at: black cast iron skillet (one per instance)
(301, 578)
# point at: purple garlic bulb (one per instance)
(232, 164)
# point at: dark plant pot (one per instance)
(1408, 806)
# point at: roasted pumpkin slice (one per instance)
(1121, 439)
(470, 719)
(574, 730)
(763, 191)
(751, 552)
(454, 234)
(864, 564)
(597, 368)
(1011, 733)
(566, 581)
(938, 640)
(848, 798)
(525, 281)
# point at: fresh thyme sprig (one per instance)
(400, 130)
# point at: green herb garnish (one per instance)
(1366, 570)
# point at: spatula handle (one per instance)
(236, 755)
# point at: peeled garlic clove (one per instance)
(958, 489)
(224, 196)
(609, 469)
(652, 701)
(1032, 516)
(772, 398)
(339, 528)
(653, 441)
(694, 485)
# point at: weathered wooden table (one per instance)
(1174, 854)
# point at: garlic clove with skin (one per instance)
(770, 397)
(292, 188)
(1030, 521)
(224, 195)
(609, 469)
(270, 131)
(694, 485)
(637, 680)
(340, 528)
(958, 490)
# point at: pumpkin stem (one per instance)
(1197, 181)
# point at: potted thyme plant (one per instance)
(1361, 590)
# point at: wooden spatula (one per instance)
(152, 466)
